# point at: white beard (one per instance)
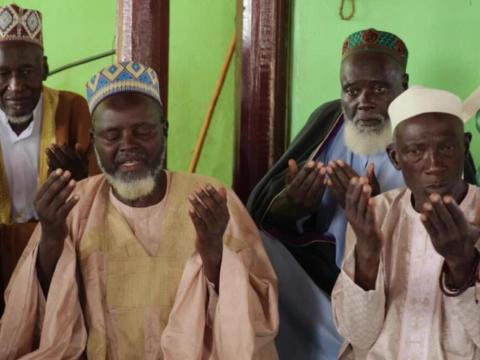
(19, 120)
(366, 142)
(134, 188)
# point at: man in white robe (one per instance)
(407, 289)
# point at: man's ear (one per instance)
(405, 81)
(46, 68)
(393, 156)
(467, 138)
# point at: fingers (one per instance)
(429, 212)
(56, 181)
(353, 193)
(304, 177)
(347, 169)
(360, 212)
(438, 215)
(79, 149)
(209, 208)
(442, 212)
(50, 180)
(292, 170)
(370, 213)
(312, 183)
(59, 156)
(366, 193)
(65, 209)
(62, 196)
(357, 198)
(455, 212)
(307, 185)
(340, 174)
(52, 160)
(315, 193)
(432, 231)
(53, 201)
(371, 173)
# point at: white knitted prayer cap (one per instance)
(418, 100)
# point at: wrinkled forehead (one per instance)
(14, 53)
(127, 107)
(369, 66)
(429, 127)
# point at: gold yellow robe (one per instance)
(66, 120)
(110, 296)
(406, 316)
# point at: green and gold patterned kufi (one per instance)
(129, 76)
(379, 41)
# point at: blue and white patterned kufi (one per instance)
(122, 77)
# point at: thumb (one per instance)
(79, 149)
(371, 174)
(292, 169)
(223, 192)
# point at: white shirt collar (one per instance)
(37, 120)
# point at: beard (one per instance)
(133, 186)
(367, 140)
(19, 120)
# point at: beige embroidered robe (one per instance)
(110, 296)
(406, 316)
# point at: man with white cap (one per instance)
(41, 129)
(407, 289)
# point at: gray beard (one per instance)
(132, 188)
(366, 142)
(19, 120)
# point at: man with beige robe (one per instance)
(139, 262)
(407, 289)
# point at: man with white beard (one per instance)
(139, 262)
(299, 203)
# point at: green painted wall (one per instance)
(73, 30)
(441, 35)
(200, 32)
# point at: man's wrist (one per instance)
(458, 273)
(367, 254)
(284, 213)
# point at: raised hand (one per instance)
(53, 202)
(452, 236)
(302, 195)
(305, 188)
(210, 216)
(359, 209)
(339, 176)
(65, 158)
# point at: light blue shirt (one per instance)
(307, 330)
(331, 218)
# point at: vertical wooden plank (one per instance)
(142, 35)
(262, 126)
